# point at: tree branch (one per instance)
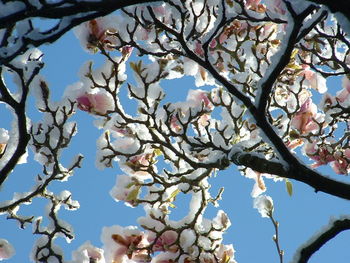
(297, 172)
(65, 11)
(68, 8)
(341, 6)
(304, 253)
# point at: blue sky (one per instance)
(300, 216)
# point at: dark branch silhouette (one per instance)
(334, 228)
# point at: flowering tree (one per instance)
(262, 66)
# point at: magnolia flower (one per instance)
(341, 165)
(200, 98)
(166, 257)
(303, 120)
(264, 204)
(175, 124)
(259, 186)
(166, 241)
(4, 137)
(138, 164)
(278, 7)
(6, 249)
(225, 253)
(124, 244)
(126, 189)
(316, 81)
(96, 103)
(255, 5)
(321, 154)
(327, 102)
(237, 28)
(128, 245)
(126, 51)
(95, 31)
(343, 95)
(199, 49)
(87, 253)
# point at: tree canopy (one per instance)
(263, 102)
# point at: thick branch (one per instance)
(321, 239)
(69, 8)
(297, 172)
(283, 58)
(20, 111)
(342, 6)
(69, 18)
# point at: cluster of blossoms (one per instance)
(167, 148)
(191, 139)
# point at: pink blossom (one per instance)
(4, 137)
(340, 165)
(252, 3)
(347, 153)
(213, 43)
(175, 124)
(145, 33)
(346, 83)
(139, 163)
(126, 189)
(343, 95)
(255, 6)
(327, 102)
(126, 51)
(88, 253)
(97, 33)
(278, 7)
(200, 97)
(203, 120)
(125, 131)
(225, 253)
(97, 103)
(316, 81)
(160, 10)
(303, 120)
(236, 28)
(222, 37)
(6, 249)
(199, 49)
(294, 143)
(166, 257)
(166, 241)
(320, 154)
(130, 246)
